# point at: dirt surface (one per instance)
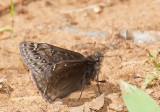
(72, 25)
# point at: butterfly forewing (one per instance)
(39, 56)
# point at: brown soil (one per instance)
(49, 21)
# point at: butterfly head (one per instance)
(97, 56)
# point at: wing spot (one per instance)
(34, 49)
(38, 57)
(31, 45)
(23, 45)
(54, 66)
(43, 61)
(35, 45)
(65, 65)
(52, 51)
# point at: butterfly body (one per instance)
(56, 72)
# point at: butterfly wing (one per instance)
(65, 77)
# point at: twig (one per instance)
(82, 9)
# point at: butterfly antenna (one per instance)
(94, 47)
(82, 89)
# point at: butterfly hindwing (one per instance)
(65, 77)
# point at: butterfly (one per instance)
(56, 72)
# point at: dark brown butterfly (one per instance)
(56, 72)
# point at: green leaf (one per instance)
(12, 9)
(7, 28)
(136, 100)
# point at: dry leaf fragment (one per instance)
(94, 105)
(4, 86)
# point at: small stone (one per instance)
(97, 9)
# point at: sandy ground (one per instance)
(68, 24)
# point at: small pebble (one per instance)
(97, 9)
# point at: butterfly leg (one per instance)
(98, 84)
(83, 86)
